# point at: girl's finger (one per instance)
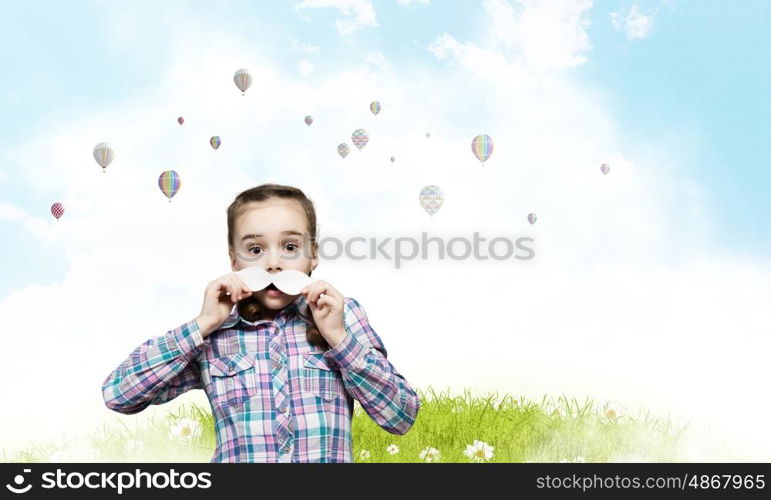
(233, 293)
(326, 300)
(239, 282)
(222, 289)
(235, 285)
(332, 291)
(319, 288)
(310, 287)
(308, 291)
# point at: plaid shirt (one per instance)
(274, 396)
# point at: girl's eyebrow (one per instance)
(291, 232)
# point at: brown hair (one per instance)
(252, 308)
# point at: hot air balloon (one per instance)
(428, 135)
(57, 209)
(308, 120)
(181, 120)
(215, 142)
(360, 138)
(243, 80)
(343, 149)
(393, 159)
(605, 168)
(103, 154)
(431, 198)
(374, 107)
(482, 147)
(169, 183)
(531, 218)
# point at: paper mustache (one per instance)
(290, 281)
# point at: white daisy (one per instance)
(364, 454)
(185, 430)
(392, 449)
(614, 409)
(457, 409)
(430, 454)
(479, 451)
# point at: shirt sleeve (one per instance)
(157, 371)
(370, 377)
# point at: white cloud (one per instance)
(3, 176)
(305, 48)
(625, 300)
(46, 229)
(305, 68)
(357, 13)
(548, 34)
(11, 212)
(634, 23)
(408, 2)
(376, 59)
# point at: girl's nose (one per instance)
(274, 266)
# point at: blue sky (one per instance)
(697, 85)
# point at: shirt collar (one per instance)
(291, 309)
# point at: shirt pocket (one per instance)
(234, 377)
(319, 378)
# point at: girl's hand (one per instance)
(218, 300)
(326, 304)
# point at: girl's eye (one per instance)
(254, 248)
(293, 245)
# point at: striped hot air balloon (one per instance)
(531, 218)
(169, 182)
(215, 142)
(431, 198)
(343, 149)
(243, 80)
(482, 147)
(57, 210)
(103, 154)
(605, 168)
(374, 107)
(308, 120)
(360, 138)
(180, 120)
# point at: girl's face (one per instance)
(273, 234)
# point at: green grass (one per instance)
(519, 430)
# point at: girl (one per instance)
(280, 371)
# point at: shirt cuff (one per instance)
(188, 338)
(348, 353)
